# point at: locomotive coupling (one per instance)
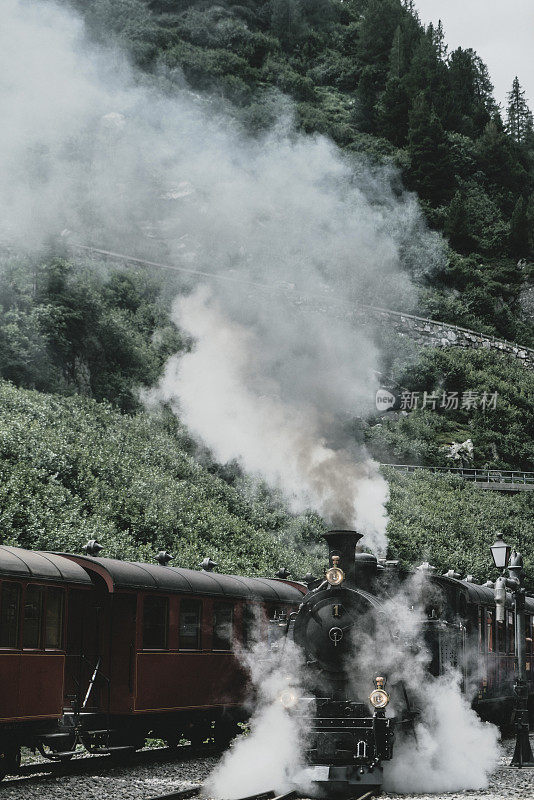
(379, 698)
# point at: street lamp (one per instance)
(502, 558)
(500, 552)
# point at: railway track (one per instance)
(195, 791)
(89, 764)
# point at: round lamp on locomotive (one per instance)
(335, 575)
(379, 698)
(500, 552)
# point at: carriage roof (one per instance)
(15, 562)
(154, 577)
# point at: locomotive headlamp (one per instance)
(335, 575)
(289, 698)
(379, 698)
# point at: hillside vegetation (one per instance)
(370, 76)
(80, 459)
(72, 470)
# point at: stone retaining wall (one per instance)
(440, 334)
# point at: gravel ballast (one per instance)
(141, 782)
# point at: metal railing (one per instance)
(511, 477)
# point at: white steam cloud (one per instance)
(226, 398)
(270, 756)
(131, 162)
(451, 748)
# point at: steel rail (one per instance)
(183, 794)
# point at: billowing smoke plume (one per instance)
(270, 756)
(231, 393)
(134, 163)
(450, 748)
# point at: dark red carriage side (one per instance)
(162, 657)
(36, 592)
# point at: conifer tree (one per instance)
(519, 122)
(368, 92)
(499, 163)
(519, 244)
(457, 226)
(530, 223)
(392, 112)
(439, 41)
(287, 20)
(376, 33)
(429, 172)
(471, 99)
(397, 56)
(428, 73)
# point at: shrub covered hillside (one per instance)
(452, 524)
(72, 469)
(71, 328)
(502, 437)
(367, 74)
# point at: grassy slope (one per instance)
(452, 523)
(72, 469)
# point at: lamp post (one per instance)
(503, 558)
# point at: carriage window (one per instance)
(9, 615)
(54, 618)
(480, 629)
(223, 614)
(511, 631)
(155, 623)
(251, 621)
(33, 616)
(189, 632)
(489, 631)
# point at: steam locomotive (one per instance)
(346, 710)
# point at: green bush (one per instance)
(451, 523)
(72, 469)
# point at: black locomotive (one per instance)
(350, 720)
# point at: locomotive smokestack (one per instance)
(343, 544)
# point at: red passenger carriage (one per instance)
(106, 652)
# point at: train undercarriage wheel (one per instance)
(56, 751)
(9, 760)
